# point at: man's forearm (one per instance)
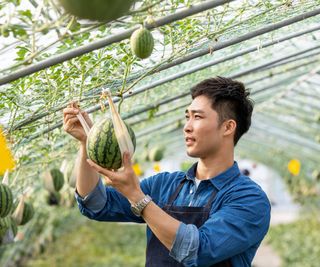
(87, 177)
(161, 224)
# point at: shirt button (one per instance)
(191, 191)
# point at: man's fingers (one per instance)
(70, 122)
(69, 116)
(70, 111)
(126, 159)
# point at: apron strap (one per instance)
(176, 192)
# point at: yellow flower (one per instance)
(294, 166)
(7, 161)
(137, 169)
(156, 167)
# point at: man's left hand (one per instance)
(125, 181)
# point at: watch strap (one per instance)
(138, 207)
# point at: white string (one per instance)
(83, 123)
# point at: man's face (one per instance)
(202, 133)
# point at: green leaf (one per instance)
(22, 52)
(26, 13)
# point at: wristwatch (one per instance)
(138, 207)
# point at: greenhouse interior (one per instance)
(139, 59)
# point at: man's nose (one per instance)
(187, 126)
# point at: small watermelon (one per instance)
(101, 10)
(28, 213)
(102, 144)
(6, 200)
(156, 153)
(142, 43)
(57, 179)
(4, 226)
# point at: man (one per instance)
(212, 215)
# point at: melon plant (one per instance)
(4, 226)
(6, 200)
(102, 144)
(156, 153)
(142, 43)
(101, 10)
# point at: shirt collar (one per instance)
(220, 180)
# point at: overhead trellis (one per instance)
(52, 58)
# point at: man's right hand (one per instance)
(71, 123)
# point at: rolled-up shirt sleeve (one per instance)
(186, 244)
(95, 200)
(238, 225)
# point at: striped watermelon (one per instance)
(28, 213)
(102, 144)
(6, 200)
(4, 226)
(57, 179)
(142, 43)
(102, 10)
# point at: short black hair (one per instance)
(230, 99)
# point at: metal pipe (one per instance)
(110, 40)
(244, 37)
(242, 73)
(181, 74)
(261, 66)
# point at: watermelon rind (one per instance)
(102, 144)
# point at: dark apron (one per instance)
(157, 253)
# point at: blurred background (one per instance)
(50, 56)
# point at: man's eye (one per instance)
(197, 117)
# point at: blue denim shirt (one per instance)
(239, 217)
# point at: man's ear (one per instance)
(229, 127)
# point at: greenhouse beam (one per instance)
(57, 125)
(159, 127)
(261, 66)
(282, 72)
(192, 10)
(285, 62)
(157, 115)
(217, 47)
(248, 71)
(184, 73)
(283, 135)
(242, 38)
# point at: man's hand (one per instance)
(125, 181)
(71, 123)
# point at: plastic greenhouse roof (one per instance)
(51, 58)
